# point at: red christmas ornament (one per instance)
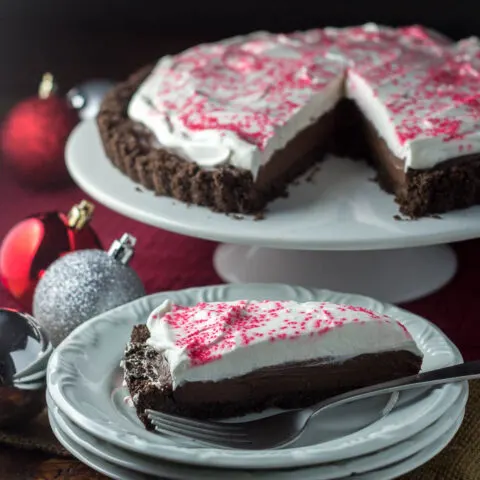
(34, 136)
(32, 245)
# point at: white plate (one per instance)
(367, 463)
(122, 473)
(341, 210)
(84, 377)
(111, 470)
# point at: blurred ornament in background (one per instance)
(24, 353)
(33, 244)
(21, 343)
(87, 97)
(34, 135)
(84, 284)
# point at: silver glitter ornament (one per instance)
(84, 284)
(87, 97)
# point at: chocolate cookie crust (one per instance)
(131, 147)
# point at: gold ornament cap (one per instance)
(80, 214)
(47, 86)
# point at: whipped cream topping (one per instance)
(239, 100)
(220, 340)
(426, 108)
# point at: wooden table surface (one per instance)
(18, 464)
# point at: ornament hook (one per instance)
(123, 249)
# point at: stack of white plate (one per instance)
(91, 418)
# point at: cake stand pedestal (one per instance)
(339, 232)
(393, 276)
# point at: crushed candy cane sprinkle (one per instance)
(233, 100)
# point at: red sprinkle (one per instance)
(254, 85)
(208, 330)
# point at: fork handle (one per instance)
(455, 373)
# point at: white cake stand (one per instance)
(337, 232)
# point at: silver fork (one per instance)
(282, 429)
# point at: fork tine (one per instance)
(230, 428)
(167, 432)
(224, 443)
(183, 436)
(175, 430)
(168, 422)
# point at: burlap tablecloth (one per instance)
(459, 461)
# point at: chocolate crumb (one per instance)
(311, 175)
(138, 189)
(404, 219)
(259, 216)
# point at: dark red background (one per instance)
(166, 261)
